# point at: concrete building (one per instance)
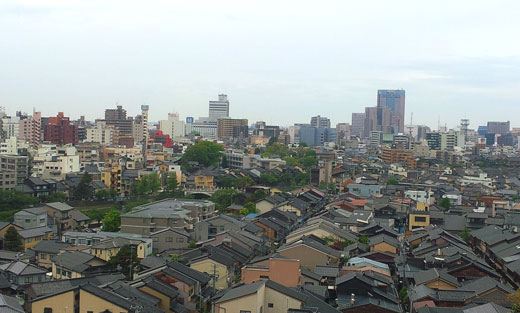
(30, 129)
(14, 169)
(434, 140)
(375, 138)
(204, 127)
(357, 127)
(314, 136)
(173, 126)
(498, 127)
(60, 131)
(10, 126)
(144, 123)
(155, 216)
(405, 157)
(370, 122)
(226, 127)
(219, 109)
(117, 118)
(102, 133)
(320, 122)
(394, 100)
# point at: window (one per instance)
(181, 240)
(27, 220)
(264, 277)
(270, 305)
(43, 256)
(169, 239)
(419, 218)
(155, 239)
(242, 311)
(58, 271)
(90, 312)
(27, 280)
(68, 274)
(47, 310)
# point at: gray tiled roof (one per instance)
(50, 246)
(34, 232)
(10, 305)
(75, 261)
(431, 274)
(60, 206)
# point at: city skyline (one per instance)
(175, 57)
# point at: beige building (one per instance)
(260, 297)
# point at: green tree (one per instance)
(57, 197)
(83, 191)
(465, 234)
(403, 295)
(331, 188)
(125, 259)
(277, 149)
(12, 240)
(227, 182)
(444, 203)
(12, 199)
(292, 161)
(192, 245)
(515, 299)
(171, 183)
(257, 195)
(269, 179)
(148, 184)
(175, 257)
(95, 214)
(310, 161)
(363, 239)
(204, 152)
(112, 221)
(245, 181)
(223, 198)
(392, 181)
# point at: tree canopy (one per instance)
(12, 199)
(83, 191)
(204, 152)
(112, 221)
(148, 184)
(12, 240)
(127, 259)
(445, 203)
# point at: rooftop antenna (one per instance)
(411, 119)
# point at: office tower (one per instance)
(219, 109)
(501, 128)
(10, 126)
(318, 121)
(357, 127)
(144, 122)
(60, 131)
(394, 102)
(30, 129)
(434, 140)
(117, 118)
(316, 136)
(226, 127)
(370, 121)
(482, 130)
(173, 126)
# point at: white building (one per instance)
(51, 161)
(101, 133)
(219, 109)
(205, 127)
(173, 126)
(422, 196)
(473, 180)
(10, 126)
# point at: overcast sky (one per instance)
(279, 61)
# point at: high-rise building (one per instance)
(117, 118)
(144, 122)
(357, 126)
(30, 129)
(394, 101)
(316, 136)
(10, 126)
(173, 126)
(501, 128)
(318, 121)
(60, 131)
(226, 126)
(434, 140)
(102, 133)
(342, 131)
(219, 109)
(370, 121)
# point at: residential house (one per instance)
(384, 243)
(217, 263)
(21, 274)
(66, 217)
(210, 227)
(436, 279)
(276, 268)
(90, 239)
(46, 249)
(166, 293)
(261, 296)
(322, 229)
(31, 218)
(10, 305)
(111, 246)
(32, 236)
(76, 264)
(267, 204)
(169, 238)
(310, 253)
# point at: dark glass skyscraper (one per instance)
(391, 107)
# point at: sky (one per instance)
(278, 61)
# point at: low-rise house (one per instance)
(169, 238)
(192, 285)
(310, 253)
(321, 229)
(10, 305)
(111, 246)
(32, 236)
(436, 279)
(166, 293)
(274, 229)
(217, 263)
(261, 296)
(77, 264)
(89, 239)
(384, 243)
(276, 268)
(210, 227)
(31, 218)
(21, 274)
(46, 249)
(267, 204)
